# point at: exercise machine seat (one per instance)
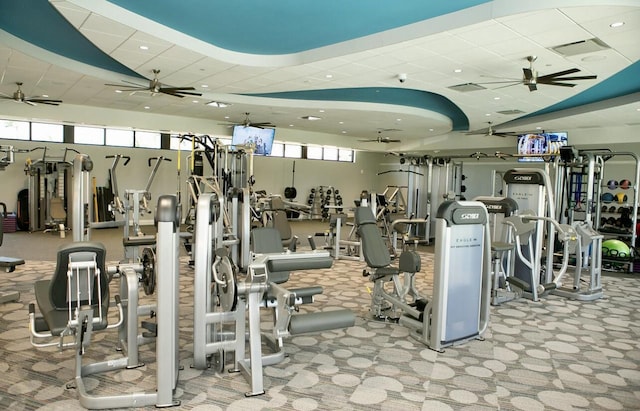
(375, 251)
(51, 295)
(267, 240)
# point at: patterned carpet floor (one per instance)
(555, 354)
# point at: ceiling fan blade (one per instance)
(558, 74)
(45, 101)
(177, 88)
(29, 102)
(182, 93)
(592, 77)
(532, 87)
(171, 93)
(135, 84)
(528, 73)
(128, 88)
(553, 83)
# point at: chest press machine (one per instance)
(458, 310)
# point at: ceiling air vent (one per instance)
(510, 112)
(466, 87)
(581, 47)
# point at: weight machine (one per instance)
(49, 191)
(459, 308)
(221, 299)
(75, 302)
(135, 204)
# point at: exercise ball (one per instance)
(625, 184)
(612, 184)
(615, 248)
(621, 198)
(606, 198)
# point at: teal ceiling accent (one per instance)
(384, 95)
(39, 23)
(288, 26)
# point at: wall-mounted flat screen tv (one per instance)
(260, 138)
(531, 144)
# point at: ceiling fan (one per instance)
(381, 139)
(19, 97)
(156, 87)
(248, 123)
(531, 79)
(489, 131)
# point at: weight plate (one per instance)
(227, 293)
(148, 278)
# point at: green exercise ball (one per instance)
(615, 248)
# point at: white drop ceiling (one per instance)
(484, 51)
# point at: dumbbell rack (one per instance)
(322, 199)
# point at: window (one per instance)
(88, 135)
(14, 130)
(293, 150)
(47, 132)
(183, 144)
(330, 153)
(147, 139)
(314, 152)
(122, 138)
(277, 150)
(346, 155)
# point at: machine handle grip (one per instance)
(126, 158)
(157, 158)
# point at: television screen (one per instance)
(260, 138)
(540, 143)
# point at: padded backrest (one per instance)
(57, 210)
(280, 220)
(77, 251)
(265, 240)
(374, 249)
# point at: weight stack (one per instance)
(9, 224)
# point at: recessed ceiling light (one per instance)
(457, 71)
(487, 114)
(398, 119)
(329, 76)
(538, 128)
(118, 91)
(311, 118)
(340, 122)
(147, 107)
(616, 24)
(321, 111)
(204, 86)
(344, 132)
(144, 47)
(226, 117)
(194, 101)
(496, 98)
(218, 104)
(430, 129)
(45, 95)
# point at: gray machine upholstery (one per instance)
(265, 240)
(51, 295)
